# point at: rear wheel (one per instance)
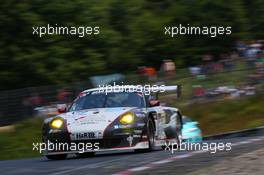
(179, 130)
(57, 157)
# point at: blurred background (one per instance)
(222, 77)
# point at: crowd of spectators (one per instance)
(250, 55)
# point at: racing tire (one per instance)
(179, 129)
(57, 157)
(150, 136)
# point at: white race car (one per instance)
(121, 120)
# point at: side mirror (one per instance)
(61, 108)
(153, 103)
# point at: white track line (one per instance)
(139, 168)
(163, 161)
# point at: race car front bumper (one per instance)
(139, 145)
(114, 138)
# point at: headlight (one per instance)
(56, 123)
(127, 118)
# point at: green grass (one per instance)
(227, 115)
(18, 143)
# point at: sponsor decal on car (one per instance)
(86, 135)
(130, 140)
(141, 124)
(137, 131)
(140, 114)
(122, 126)
(136, 136)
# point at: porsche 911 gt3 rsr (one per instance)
(119, 120)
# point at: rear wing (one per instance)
(155, 89)
(174, 90)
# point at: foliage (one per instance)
(132, 34)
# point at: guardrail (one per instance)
(241, 133)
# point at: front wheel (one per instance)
(150, 136)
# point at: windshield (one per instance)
(101, 100)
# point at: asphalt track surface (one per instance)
(124, 163)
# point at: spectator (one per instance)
(63, 96)
(195, 70)
(168, 68)
(198, 91)
(149, 72)
(207, 58)
(241, 48)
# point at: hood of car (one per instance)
(92, 120)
